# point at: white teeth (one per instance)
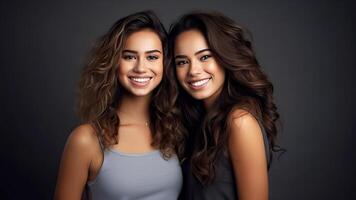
(200, 83)
(140, 80)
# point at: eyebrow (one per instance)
(196, 53)
(200, 51)
(136, 52)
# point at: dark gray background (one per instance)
(306, 47)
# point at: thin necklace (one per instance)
(147, 123)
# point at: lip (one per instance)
(198, 83)
(140, 81)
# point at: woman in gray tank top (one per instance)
(228, 109)
(129, 144)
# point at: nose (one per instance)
(140, 66)
(195, 68)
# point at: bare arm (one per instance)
(248, 157)
(75, 163)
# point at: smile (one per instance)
(199, 83)
(140, 81)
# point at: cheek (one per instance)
(123, 67)
(120, 71)
(158, 69)
(180, 75)
(220, 77)
(120, 75)
(216, 70)
(159, 75)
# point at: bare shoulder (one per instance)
(242, 121)
(83, 137)
(82, 145)
(245, 134)
(83, 133)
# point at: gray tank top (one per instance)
(146, 176)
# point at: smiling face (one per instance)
(197, 70)
(141, 63)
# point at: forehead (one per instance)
(189, 42)
(143, 40)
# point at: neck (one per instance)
(134, 109)
(210, 101)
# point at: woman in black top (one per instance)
(227, 106)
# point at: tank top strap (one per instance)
(102, 147)
(99, 135)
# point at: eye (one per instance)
(181, 62)
(205, 57)
(152, 57)
(129, 57)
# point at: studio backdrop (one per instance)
(307, 48)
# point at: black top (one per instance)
(224, 184)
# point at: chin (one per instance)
(200, 96)
(140, 93)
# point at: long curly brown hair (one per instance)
(246, 87)
(100, 91)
